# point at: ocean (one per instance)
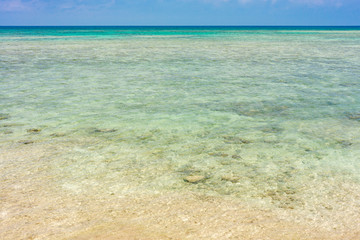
(94, 119)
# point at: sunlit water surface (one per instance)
(268, 116)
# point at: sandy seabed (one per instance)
(32, 206)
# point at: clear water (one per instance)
(270, 116)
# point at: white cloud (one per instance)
(19, 5)
(337, 3)
(305, 2)
(13, 6)
(28, 5)
(83, 5)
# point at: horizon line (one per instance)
(179, 25)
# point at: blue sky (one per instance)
(179, 12)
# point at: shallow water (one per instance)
(269, 117)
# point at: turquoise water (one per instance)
(267, 115)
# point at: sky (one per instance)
(179, 12)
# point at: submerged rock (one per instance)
(26, 142)
(57, 135)
(235, 156)
(355, 116)
(144, 137)
(194, 178)
(105, 130)
(272, 130)
(33, 130)
(344, 143)
(235, 140)
(11, 125)
(218, 154)
(4, 116)
(230, 178)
